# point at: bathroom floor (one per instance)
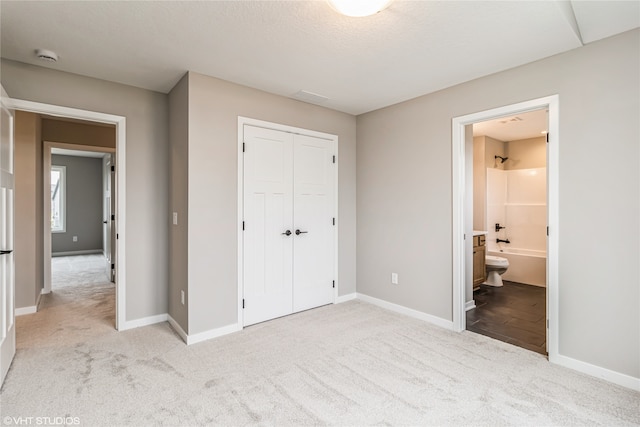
(514, 313)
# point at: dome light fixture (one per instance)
(359, 8)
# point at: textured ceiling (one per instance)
(360, 64)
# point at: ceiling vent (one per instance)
(47, 55)
(511, 120)
(310, 97)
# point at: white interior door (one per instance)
(268, 223)
(110, 229)
(7, 301)
(112, 219)
(106, 176)
(313, 269)
(289, 234)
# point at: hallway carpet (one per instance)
(348, 364)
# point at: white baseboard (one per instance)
(438, 321)
(470, 305)
(145, 321)
(212, 333)
(30, 310)
(598, 372)
(202, 336)
(26, 310)
(72, 253)
(345, 298)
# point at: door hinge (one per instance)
(113, 168)
(243, 147)
(334, 220)
(334, 284)
(547, 137)
(547, 323)
(113, 217)
(547, 231)
(113, 266)
(334, 159)
(242, 225)
(242, 302)
(117, 236)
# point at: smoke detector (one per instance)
(47, 55)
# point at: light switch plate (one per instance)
(175, 218)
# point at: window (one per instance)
(58, 205)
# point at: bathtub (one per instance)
(525, 265)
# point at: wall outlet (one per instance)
(182, 297)
(394, 278)
(175, 218)
(75, 238)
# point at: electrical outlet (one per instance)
(75, 238)
(175, 218)
(182, 297)
(394, 278)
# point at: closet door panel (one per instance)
(268, 213)
(313, 266)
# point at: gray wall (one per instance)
(179, 201)
(83, 200)
(404, 195)
(214, 107)
(147, 168)
(28, 241)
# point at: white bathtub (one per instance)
(525, 265)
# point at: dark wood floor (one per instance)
(514, 313)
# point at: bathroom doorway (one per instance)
(509, 229)
(518, 173)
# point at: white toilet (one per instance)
(496, 267)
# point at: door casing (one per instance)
(46, 204)
(120, 124)
(275, 126)
(551, 103)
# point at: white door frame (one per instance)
(120, 124)
(284, 128)
(46, 197)
(459, 174)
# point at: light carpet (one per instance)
(345, 364)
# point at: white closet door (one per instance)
(313, 201)
(268, 214)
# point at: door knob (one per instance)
(104, 222)
(3, 252)
(298, 232)
(287, 233)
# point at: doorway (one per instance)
(288, 220)
(80, 210)
(462, 210)
(509, 215)
(120, 183)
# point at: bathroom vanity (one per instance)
(479, 252)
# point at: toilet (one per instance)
(496, 267)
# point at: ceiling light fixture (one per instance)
(47, 55)
(359, 8)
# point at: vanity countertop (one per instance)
(479, 233)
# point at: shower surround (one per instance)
(517, 200)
